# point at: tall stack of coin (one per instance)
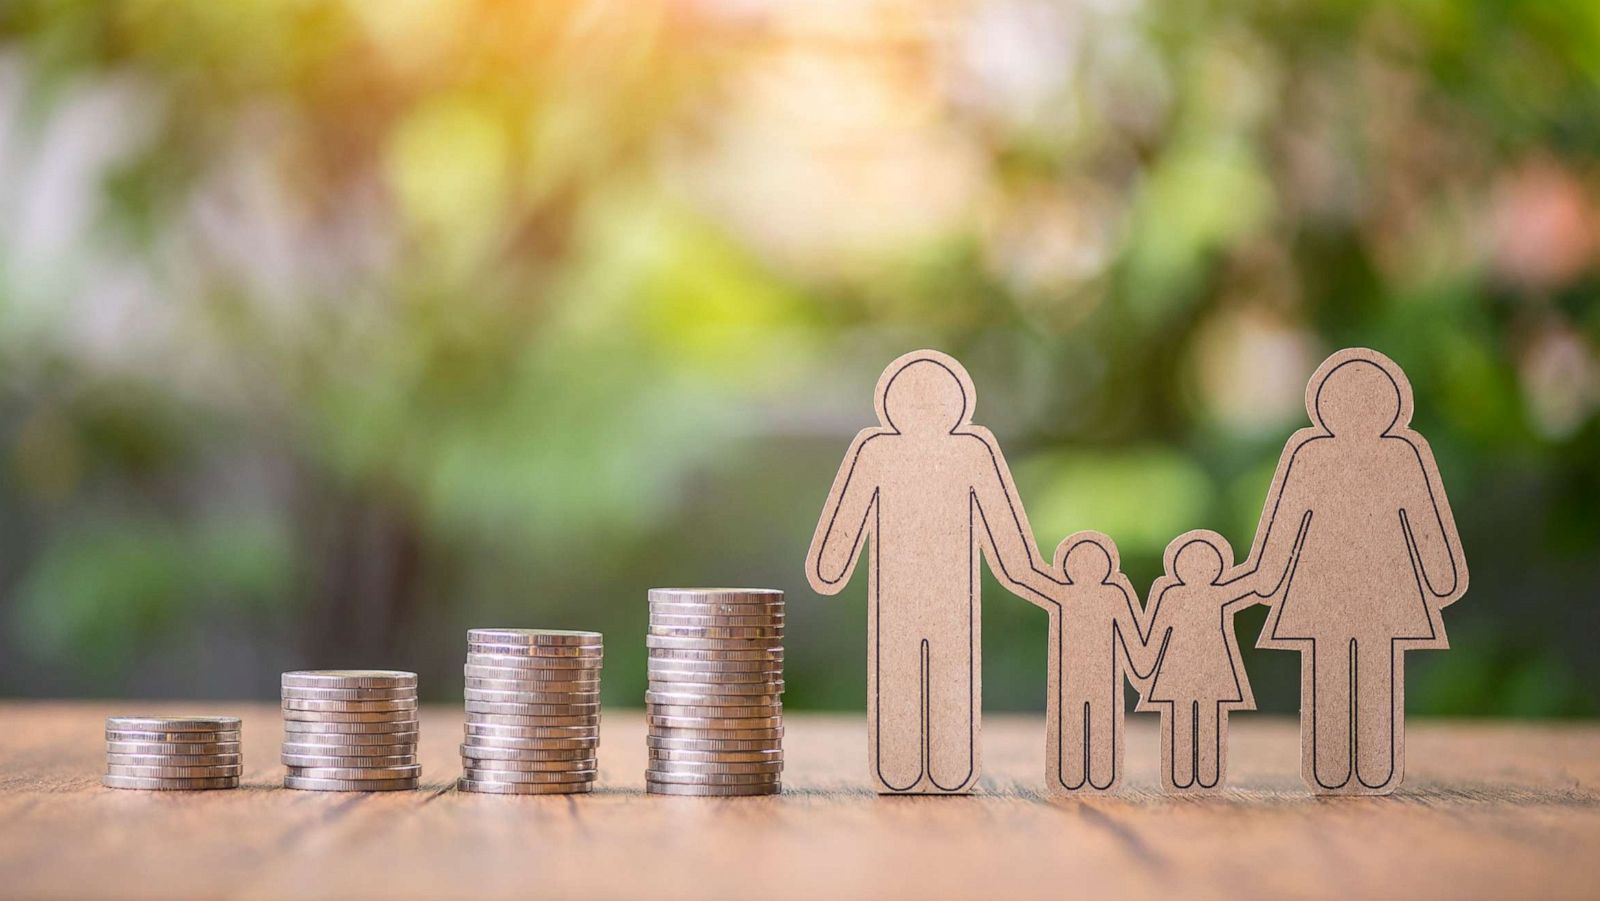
(533, 711)
(714, 698)
(350, 730)
(172, 752)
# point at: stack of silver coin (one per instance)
(350, 730)
(172, 752)
(714, 698)
(533, 711)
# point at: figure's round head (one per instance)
(1087, 563)
(1358, 394)
(1198, 563)
(926, 394)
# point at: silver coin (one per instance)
(702, 733)
(743, 636)
(669, 617)
(537, 651)
(524, 788)
(404, 771)
(713, 745)
(172, 772)
(349, 694)
(581, 765)
(341, 740)
(543, 710)
(490, 752)
(380, 716)
(562, 637)
(303, 762)
(304, 783)
(774, 688)
(719, 723)
(485, 774)
(349, 678)
(386, 706)
(167, 724)
(660, 661)
(743, 679)
(343, 728)
(716, 595)
(348, 752)
(712, 712)
(685, 649)
(678, 778)
(712, 791)
(763, 756)
(531, 673)
(695, 767)
(143, 784)
(673, 608)
(707, 699)
(536, 664)
(171, 737)
(186, 748)
(173, 759)
(587, 686)
(502, 719)
(582, 698)
(476, 730)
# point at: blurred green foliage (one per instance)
(332, 328)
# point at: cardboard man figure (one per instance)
(933, 492)
(1357, 554)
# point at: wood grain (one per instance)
(1487, 810)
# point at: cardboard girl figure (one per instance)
(933, 492)
(1096, 636)
(1199, 676)
(1356, 553)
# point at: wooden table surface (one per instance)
(1489, 810)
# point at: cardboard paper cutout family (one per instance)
(1356, 555)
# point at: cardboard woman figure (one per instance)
(1357, 553)
(1096, 636)
(932, 491)
(1199, 676)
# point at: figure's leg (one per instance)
(895, 702)
(1074, 771)
(1180, 769)
(953, 693)
(1331, 736)
(1207, 747)
(1378, 716)
(1105, 757)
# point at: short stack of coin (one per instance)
(533, 711)
(714, 699)
(172, 752)
(350, 730)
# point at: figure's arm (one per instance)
(1282, 525)
(836, 544)
(1006, 535)
(1138, 629)
(1431, 529)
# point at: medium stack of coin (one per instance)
(172, 752)
(714, 699)
(350, 730)
(533, 711)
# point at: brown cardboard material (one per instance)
(1096, 636)
(933, 492)
(1357, 554)
(1198, 676)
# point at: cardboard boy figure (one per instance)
(933, 492)
(1095, 637)
(1198, 675)
(1357, 554)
